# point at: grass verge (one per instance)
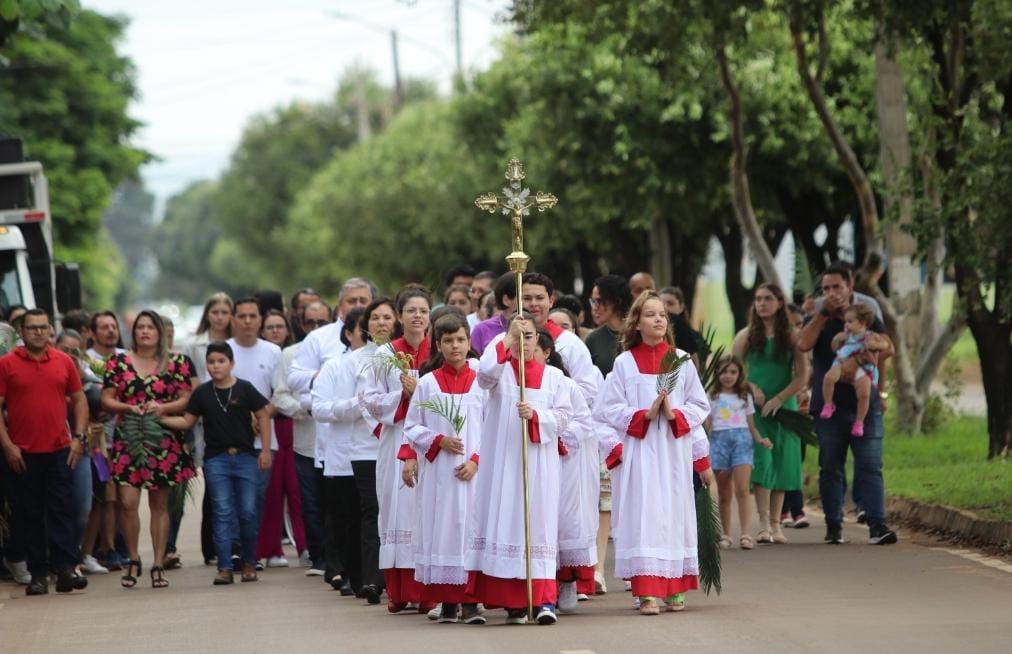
(946, 467)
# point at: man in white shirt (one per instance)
(256, 361)
(324, 344)
(298, 407)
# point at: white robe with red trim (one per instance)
(382, 400)
(496, 545)
(444, 502)
(580, 485)
(653, 503)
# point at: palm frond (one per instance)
(386, 360)
(708, 355)
(708, 533)
(671, 364)
(446, 409)
(141, 434)
(801, 424)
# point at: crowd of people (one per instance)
(387, 438)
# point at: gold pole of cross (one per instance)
(517, 204)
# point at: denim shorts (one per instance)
(730, 448)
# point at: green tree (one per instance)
(65, 90)
(184, 242)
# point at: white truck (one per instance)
(29, 275)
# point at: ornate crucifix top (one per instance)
(518, 203)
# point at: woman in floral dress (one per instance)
(147, 379)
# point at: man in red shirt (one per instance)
(39, 453)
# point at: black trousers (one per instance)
(365, 483)
(207, 547)
(342, 529)
(42, 504)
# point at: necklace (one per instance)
(224, 407)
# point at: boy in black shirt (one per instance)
(228, 407)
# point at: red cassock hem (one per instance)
(434, 448)
(405, 453)
(638, 425)
(534, 427)
(699, 465)
(447, 593)
(575, 573)
(614, 457)
(679, 425)
(401, 585)
(662, 587)
(499, 593)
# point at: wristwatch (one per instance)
(81, 437)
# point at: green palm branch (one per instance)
(801, 424)
(708, 532)
(447, 409)
(671, 365)
(708, 355)
(141, 434)
(386, 359)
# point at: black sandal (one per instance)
(158, 580)
(128, 580)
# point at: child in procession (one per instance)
(447, 464)
(732, 434)
(496, 550)
(229, 407)
(657, 443)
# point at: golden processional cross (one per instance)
(517, 204)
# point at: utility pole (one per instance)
(362, 110)
(456, 34)
(398, 85)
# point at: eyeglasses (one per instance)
(595, 302)
(315, 323)
(274, 328)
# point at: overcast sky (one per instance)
(205, 66)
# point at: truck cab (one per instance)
(29, 274)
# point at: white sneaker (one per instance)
(600, 588)
(314, 572)
(93, 567)
(628, 585)
(434, 613)
(304, 561)
(582, 597)
(277, 562)
(567, 597)
(19, 570)
(546, 615)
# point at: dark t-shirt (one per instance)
(823, 357)
(227, 414)
(603, 346)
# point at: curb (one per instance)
(950, 520)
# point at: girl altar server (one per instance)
(386, 398)
(658, 442)
(447, 456)
(496, 550)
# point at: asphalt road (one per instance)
(916, 596)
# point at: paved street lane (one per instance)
(916, 596)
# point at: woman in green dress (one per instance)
(777, 371)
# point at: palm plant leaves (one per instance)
(671, 364)
(386, 359)
(708, 355)
(708, 541)
(447, 409)
(141, 434)
(798, 423)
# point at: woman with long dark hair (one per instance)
(777, 371)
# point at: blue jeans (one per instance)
(834, 439)
(312, 516)
(232, 480)
(263, 480)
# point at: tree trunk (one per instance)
(995, 354)
(737, 294)
(741, 197)
(660, 249)
(855, 172)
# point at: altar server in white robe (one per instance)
(447, 392)
(496, 550)
(657, 442)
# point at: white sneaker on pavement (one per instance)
(19, 570)
(434, 613)
(277, 562)
(314, 572)
(567, 597)
(304, 561)
(600, 588)
(93, 567)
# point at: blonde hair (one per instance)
(631, 336)
(216, 298)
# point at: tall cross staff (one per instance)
(517, 204)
